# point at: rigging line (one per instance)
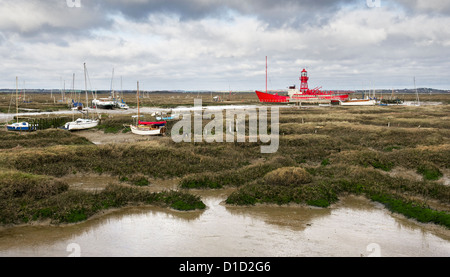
(9, 108)
(90, 85)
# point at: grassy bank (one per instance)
(39, 139)
(26, 197)
(414, 199)
(342, 150)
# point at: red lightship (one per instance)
(303, 94)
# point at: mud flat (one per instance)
(99, 137)
(354, 227)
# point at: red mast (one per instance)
(304, 81)
(266, 74)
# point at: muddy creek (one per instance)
(354, 227)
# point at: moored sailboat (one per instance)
(104, 103)
(120, 103)
(82, 123)
(358, 102)
(19, 126)
(146, 128)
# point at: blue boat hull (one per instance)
(18, 128)
(22, 126)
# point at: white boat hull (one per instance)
(103, 104)
(80, 124)
(123, 106)
(145, 131)
(368, 102)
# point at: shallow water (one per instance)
(144, 110)
(354, 227)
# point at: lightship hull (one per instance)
(275, 98)
(304, 94)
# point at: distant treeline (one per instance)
(404, 91)
(384, 91)
(55, 91)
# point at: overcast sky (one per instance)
(222, 45)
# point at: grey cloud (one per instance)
(276, 13)
(33, 18)
(333, 41)
(56, 17)
(432, 7)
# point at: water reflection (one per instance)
(294, 217)
(345, 229)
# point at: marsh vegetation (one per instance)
(395, 155)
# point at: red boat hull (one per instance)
(275, 98)
(158, 123)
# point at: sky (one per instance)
(222, 45)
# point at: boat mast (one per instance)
(266, 74)
(64, 92)
(73, 87)
(17, 100)
(137, 122)
(85, 86)
(23, 89)
(112, 87)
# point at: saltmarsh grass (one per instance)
(16, 184)
(41, 138)
(342, 150)
(234, 177)
(120, 160)
(411, 198)
(114, 124)
(26, 197)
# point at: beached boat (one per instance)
(76, 105)
(146, 128)
(164, 116)
(358, 102)
(104, 103)
(391, 101)
(149, 128)
(80, 124)
(19, 126)
(122, 105)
